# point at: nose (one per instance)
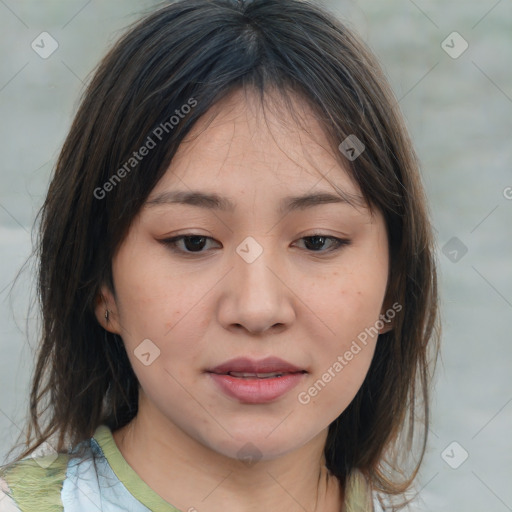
(257, 296)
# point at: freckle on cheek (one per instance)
(171, 323)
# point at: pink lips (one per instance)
(267, 365)
(259, 387)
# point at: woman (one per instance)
(237, 276)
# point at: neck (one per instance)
(193, 477)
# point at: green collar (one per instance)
(357, 497)
(129, 478)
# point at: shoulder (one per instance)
(360, 495)
(7, 504)
(35, 483)
(386, 503)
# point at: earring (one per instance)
(106, 315)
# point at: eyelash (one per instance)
(339, 243)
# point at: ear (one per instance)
(105, 302)
(387, 316)
(388, 325)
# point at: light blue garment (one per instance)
(98, 478)
(91, 485)
(93, 477)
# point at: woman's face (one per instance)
(261, 276)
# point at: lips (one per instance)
(269, 367)
(256, 382)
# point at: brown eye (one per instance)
(195, 244)
(315, 243)
(191, 243)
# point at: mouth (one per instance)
(244, 367)
(256, 382)
(270, 375)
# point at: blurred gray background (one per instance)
(458, 106)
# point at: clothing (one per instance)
(96, 477)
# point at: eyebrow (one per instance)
(214, 201)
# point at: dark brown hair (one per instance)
(206, 49)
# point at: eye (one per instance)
(194, 244)
(315, 242)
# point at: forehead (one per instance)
(242, 146)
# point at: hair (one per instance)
(201, 51)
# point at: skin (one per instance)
(302, 302)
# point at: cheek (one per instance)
(164, 307)
(349, 303)
(349, 299)
(341, 363)
(153, 297)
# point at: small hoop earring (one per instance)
(106, 315)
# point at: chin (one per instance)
(251, 446)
